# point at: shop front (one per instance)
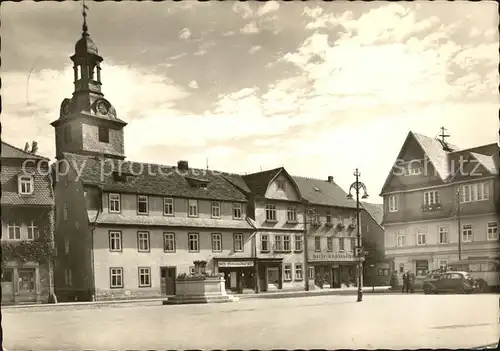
(270, 273)
(334, 269)
(239, 273)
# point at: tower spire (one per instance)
(84, 14)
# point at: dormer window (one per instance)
(197, 182)
(25, 184)
(123, 177)
(103, 134)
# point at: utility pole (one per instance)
(459, 227)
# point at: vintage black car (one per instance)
(458, 282)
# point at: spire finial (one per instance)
(84, 14)
(443, 135)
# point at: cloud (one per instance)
(250, 28)
(254, 49)
(268, 7)
(185, 34)
(193, 84)
(313, 12)
(203, 48)
(30, 107)
(409, 69)
(242, 9)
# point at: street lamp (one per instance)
(357, 186)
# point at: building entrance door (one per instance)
(167, 280)
(336, 277)
(8, 285)
(26, 285)
(273, 278)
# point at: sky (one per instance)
(320, 88)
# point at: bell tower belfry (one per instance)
(87, 123)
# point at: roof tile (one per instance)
(155, 179)
(321, 192)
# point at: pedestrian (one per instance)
(394, 280)
(405, 282)
(411, 281)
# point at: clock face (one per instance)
(102, 108)
(66, 107)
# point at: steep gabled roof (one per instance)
(445, 158)
(487, 162)
(321, 192)
(42, 187)
(10, 151)
(259, 182)
(433, 148)
(374, 210)
(154, 179)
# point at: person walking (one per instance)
(405, 282)
(411, 282)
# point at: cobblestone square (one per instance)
(379, 321)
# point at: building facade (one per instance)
(275, 204)
(128, 229)
(331, 233)
(27, 225)
(441, 202)
(377, 268)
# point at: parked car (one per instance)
(459, 282)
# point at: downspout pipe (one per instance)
(92, 228)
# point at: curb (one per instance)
(296, 294)
(161, 301)
(144, 302)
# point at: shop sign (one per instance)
(334, 256)
(235, 264)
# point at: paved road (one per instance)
(380, 321)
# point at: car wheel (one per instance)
(483, 286)
(460, 290)
(427, 289)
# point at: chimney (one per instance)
(330, 179)
(182, 165)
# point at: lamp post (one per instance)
(357, 186)
(458, 220)
(308, 214)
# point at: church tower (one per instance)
(87, 123)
